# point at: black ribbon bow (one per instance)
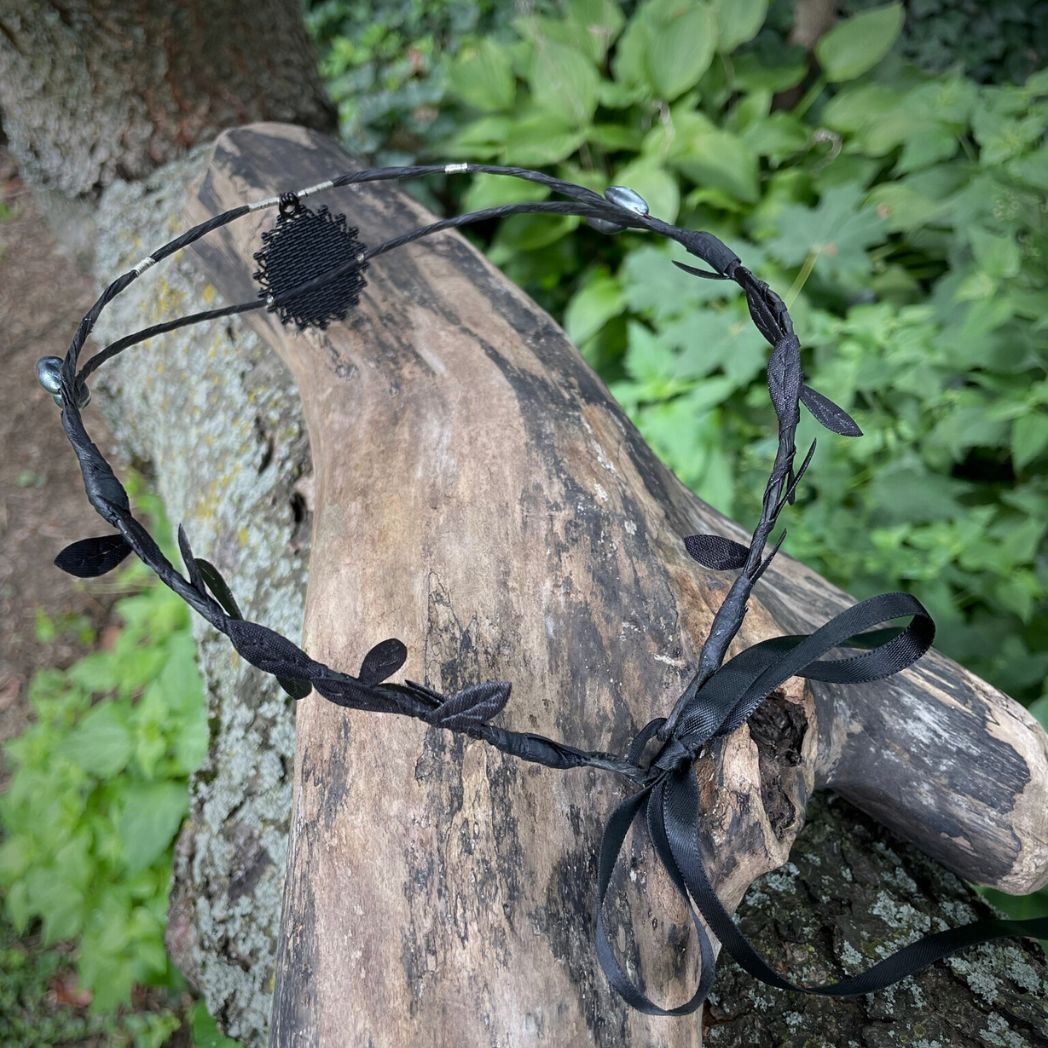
(670, 805)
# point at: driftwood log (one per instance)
(479, 495)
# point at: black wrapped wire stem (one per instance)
(720, 695)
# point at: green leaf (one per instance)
(598, 300)
(720, 160)
(56, 901)
(539, 139)
(738, 21)
(666, 47)
(858, 43)
(1039, 708)
(601, 20)
(205, 1031)
(482, 76)
(1029, 437)
(564, 82)
(151, 815)
(680, 50)
(997, 256)
(102, 743)
(839, 230)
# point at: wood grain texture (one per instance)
(479, 495)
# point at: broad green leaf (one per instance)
(738, 21)
(786, 67)
(1029, 437)
(564, 82)
(858, 43)
(838, 230)
(482, 139)
(482, 76)
(58, 903)
(997, 256)
(539, 139)
(903, 208)
(596, 302)
(102, 743)
(680, 50)
(600, 19)
(718, 159)
(151, 815)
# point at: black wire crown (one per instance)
(311, 271)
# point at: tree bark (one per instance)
(95, 90)
(467, 796)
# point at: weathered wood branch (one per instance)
(479, 495)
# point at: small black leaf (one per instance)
(707, 274)
(476, 704)
(89, 558)
(716, 552)
(384, 659)
(784, 379)
(214, 581)
(297, 689)
(269, 651)
(763, 566)
(833, 417)
(195, 578)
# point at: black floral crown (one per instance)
(310, 272)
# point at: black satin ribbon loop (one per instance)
(669, 800)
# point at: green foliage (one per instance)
(32, 1013)
(98, 792)
(385, 66)
(992, 41)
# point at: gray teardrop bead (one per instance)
(628, 198)
(49, 374)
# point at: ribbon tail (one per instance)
(611, 846)
(680, 812)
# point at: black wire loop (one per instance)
(719, 697)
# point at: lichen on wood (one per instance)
(214, 417)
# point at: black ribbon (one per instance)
(669, 800)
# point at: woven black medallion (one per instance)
(311, 267)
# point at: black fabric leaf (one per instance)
(297, 689)
(269, 651)
(763, 566)
(707, 274)
(833, 417)
(222, 593)
(89, 558)
(716, 552)
(384, 659)
(476, 704)
(195, 578)
(784, 379)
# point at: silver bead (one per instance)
(49, 374)
(603, 225)
(628, 198)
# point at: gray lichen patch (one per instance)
(816, 925)
(216, 419)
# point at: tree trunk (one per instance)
(95, 90)
(232, 853)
